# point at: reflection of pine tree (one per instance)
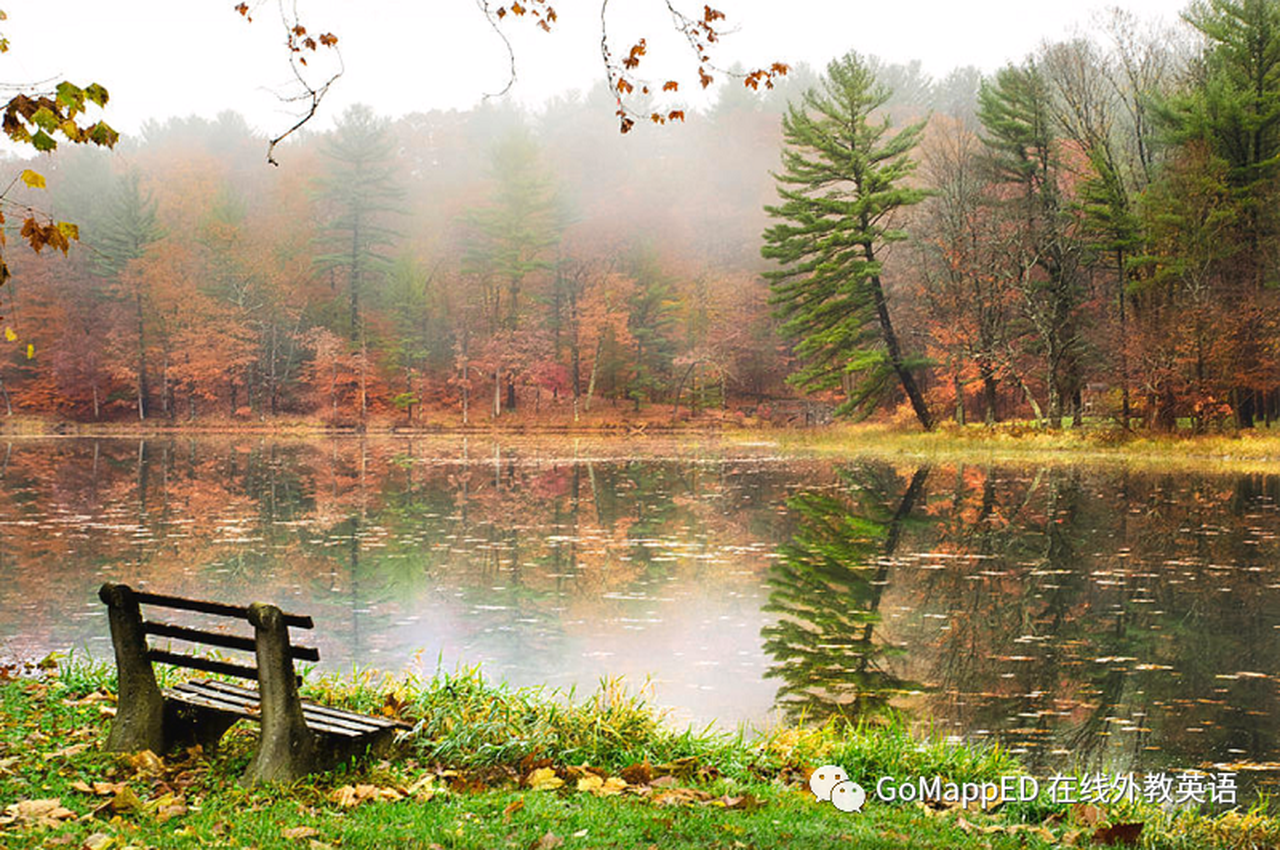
(827, 588)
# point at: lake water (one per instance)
(1101, 617)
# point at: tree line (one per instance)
(1089, 232)
(1097, 236)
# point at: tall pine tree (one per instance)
(841, 185)
(1023, 159)
(126, 231)
(362, 191)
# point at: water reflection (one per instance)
(1102, 619)
(827, 590)
(1101, 615)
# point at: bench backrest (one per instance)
(117, 595)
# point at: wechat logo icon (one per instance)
(831, 784)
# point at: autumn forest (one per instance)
(1090, 233)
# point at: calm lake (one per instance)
(1097, 616)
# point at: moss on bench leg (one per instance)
(139, 723)
(288, 749)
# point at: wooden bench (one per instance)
(298, 737)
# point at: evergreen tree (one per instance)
(827, 588)
(651, 321)
(128, 228)
(840, 188)
(513, 237)
(1233, 107)
(1015, 113)
(362, 189)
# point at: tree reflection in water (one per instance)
(827, 587)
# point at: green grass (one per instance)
(463, 781)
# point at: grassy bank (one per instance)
(491, 767)
(1245, 451)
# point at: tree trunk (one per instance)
(142, 358)
(497, 393)
(905, 377)
(591, 382)
(364, 386)
(989, 392)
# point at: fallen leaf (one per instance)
(171, 811)
(122, 802)
(299, 832)
(637, 774)
(665, 782)
(512, 807)
(422, 788)
(1087, 815)
(543, 779)
(611, 787)
(43, 812)
(146, 762)
(745, 802)
(98, 841)
(590, 783)
(1120, 833)
(680, 797)
(66, 752)
(550, 841)
(352, 795)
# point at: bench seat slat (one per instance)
(306, 653)
(244, 702)
(309, 707)
(231, 705)
(219, 608)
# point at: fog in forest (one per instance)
(1078, 232)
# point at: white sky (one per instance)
(160, 58)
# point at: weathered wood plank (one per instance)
(311, 708)
(306, 653)
(218, 608)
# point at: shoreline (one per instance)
(489, 766)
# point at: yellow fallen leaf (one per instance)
(124, 801)
(613, 785)
(145, 761)
(422, 788)
(590, 783)
(544, 779)
(98, 841)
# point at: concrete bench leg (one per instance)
(288, 749)
(139, 723)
